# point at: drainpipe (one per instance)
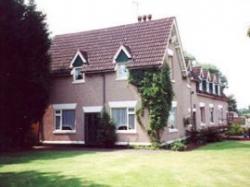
(103, 90)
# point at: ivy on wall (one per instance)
(155, 88)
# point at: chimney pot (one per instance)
(149, 17)
(139, 18)
(144, 18)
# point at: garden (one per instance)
(216, 164)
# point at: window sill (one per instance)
(78, 82)
(173, 81)
(170, 130)
(126, 131)
(122, 79)
(64, 131)
(203, 124)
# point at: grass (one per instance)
(219, 164)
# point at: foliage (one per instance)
(232, 104)
(24, 70)
(156, 92)
(106, 135)
(178, 146)
(244, 111)
(235, 129)
(206, 135)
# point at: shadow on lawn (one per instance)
(225, 145)
(42, 179)
(29, 156)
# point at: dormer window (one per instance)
(204, 85)
(77, 67)
(121, 58)
(211, 87)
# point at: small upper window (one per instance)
(77, 67)
(122, 72)
(121, 58)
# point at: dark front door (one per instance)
(91, 120)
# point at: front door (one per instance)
(91, 121)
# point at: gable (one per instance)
(122, 57)
(78, 62)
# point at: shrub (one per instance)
(106, 135)
(178, 146)
(235, 129)
(202, 136)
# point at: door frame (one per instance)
(89, 109)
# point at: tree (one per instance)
(232, 104)
(24, 70)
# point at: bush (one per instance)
(203, 136)
(106, 135)
(178, 146)
(235, 130)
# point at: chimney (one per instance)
(149, 17)
(139, 18)
(144, 18)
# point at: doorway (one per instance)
(91, 122)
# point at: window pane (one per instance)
(122, 71)
(131, 119)
(119, 115)
(78, 74)
(58, 122)
(68, 120)
(131, 110)
(172, 117)
(58, 111)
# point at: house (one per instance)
(209, 103)
(90, 72)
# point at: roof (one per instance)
(146, 41)
(198, 73)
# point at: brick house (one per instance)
(90, 71)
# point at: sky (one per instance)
(214, 31)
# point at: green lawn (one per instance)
(220, 164)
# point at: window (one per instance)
(204, 85)
(203, 114)
(220, 114)
(211, 109)
(124, 118)
(78, 75)
(121, 72)
(211, 87)
(77, 67)
(171, 64)
(172, 118)
(65, 120)
(216, 89)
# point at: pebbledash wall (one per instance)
(91, 93)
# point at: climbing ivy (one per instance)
(155, 88)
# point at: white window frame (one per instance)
(118, 77)
(61, 107)
(221, 114)
(203, 105)
(211, 106)
(121, 48)
(174, 129)
(127, 105)
(77, 81)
